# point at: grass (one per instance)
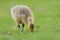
(46, 16)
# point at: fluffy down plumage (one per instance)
(22, 14)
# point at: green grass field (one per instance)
(46, 17)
